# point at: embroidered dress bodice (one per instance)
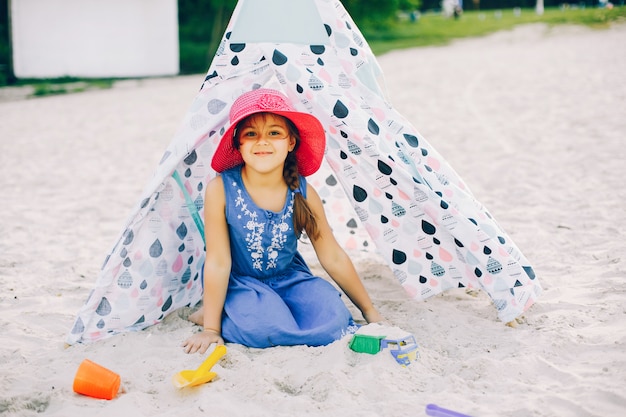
(262, 242)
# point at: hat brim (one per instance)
(310, 150)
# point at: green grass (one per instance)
(434, 29)
(46, 87)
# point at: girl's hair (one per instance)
(303, 217)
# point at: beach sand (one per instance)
(532, 119)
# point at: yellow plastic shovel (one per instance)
(202, 375)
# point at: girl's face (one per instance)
(264, 142)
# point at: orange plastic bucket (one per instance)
(96, 381)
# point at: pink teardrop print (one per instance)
(178, 264)
(444, 255)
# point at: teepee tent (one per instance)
(382, 183)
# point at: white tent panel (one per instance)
(280, 23)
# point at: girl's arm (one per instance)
(336, 262)
(216, 268)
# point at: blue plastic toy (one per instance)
(403, 349)
(436, 411)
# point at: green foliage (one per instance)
(201, 25)
(5, 50)
(65, 85)
(409, 5)
(375, 14)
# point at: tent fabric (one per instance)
(383, 185)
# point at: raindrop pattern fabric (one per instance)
(385, 188)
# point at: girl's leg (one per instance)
(318, 309)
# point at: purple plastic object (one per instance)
(436, 411)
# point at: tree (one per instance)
(372, 13)
(201, 25)
(409, 5)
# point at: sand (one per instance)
(532, 119)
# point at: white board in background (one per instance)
(94, 38)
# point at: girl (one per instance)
(258, 291)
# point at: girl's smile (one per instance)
(264, 142)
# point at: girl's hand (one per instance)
(200, 342)
(373, 316)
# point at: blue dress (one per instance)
(273, 298)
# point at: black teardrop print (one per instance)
(129, 237)
(529, 271)
(191, 158)
(237, 47)
(279, 58)
(181, 230)
(373, 127)
(340, 110)
(359, 194)
(185, 277)
(411, 140)
(428, 228)
(399, 257)
(167, 304)
(384, 168)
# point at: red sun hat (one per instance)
(310, 151)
